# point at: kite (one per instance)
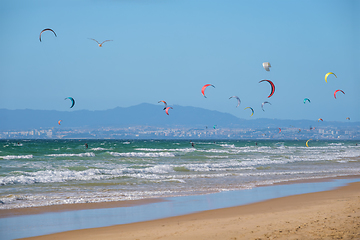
(72, 100)
(272, 87)
(164, 103)
(279, 130)
(338, 91)
(262, 105)
(100, 44)
(59, 122)
(320, 119)
(251, 110)
(167, 110)
(46, 29)
(266, 66)
(307, 142)
(238, 99)
(326, 75)
(347, 118)
(306, 99)
(204, 87)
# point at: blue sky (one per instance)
(167, 50)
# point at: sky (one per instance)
(168, 49)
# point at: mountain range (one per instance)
(145, 115)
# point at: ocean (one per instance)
(50, 172)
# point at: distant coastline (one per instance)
(142, 133)
(148, 121)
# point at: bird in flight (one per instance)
(100, 44)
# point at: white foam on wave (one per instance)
(215, 151)
(125, 171)
(225, 166)
(8, 157)
(143, 154)
(37, 200)
(166, 150)
(336, 144)
(216, 156)
(51, 176)
(88, 154)
(98, 149)
(228, 145)
(56, 176)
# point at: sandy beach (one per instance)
(331, 214)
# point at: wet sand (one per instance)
(333, 214)
(75, 207)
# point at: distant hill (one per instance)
(145, 115)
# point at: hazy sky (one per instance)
(167, 50)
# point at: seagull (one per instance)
(100, 44)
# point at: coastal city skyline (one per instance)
(141, 133)
(169, 50)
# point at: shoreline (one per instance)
(60, 220)
(5, 213)
(328, 214)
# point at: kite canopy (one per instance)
(306, 99)
(165, 106)
(238, 99)
(307, 142)
(338, 91)
(167, 110)
(252, 111)
(272, 87)
(326, 75)
(72, 101)
(59, 122)
(262, 105)
(266, 66)
(320, 119)
(46, 29)
(204, 87)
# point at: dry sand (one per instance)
(323, 215)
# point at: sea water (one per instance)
(50, 172)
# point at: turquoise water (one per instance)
(50, 172)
